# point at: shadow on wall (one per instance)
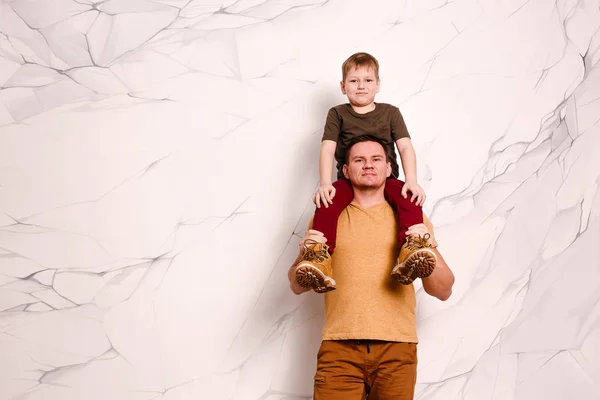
(281, 322)
(300, 334)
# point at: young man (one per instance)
(369, 335)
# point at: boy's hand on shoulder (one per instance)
(417, 192)
(324, 195)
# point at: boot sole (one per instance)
(311, 277)
(420, 264)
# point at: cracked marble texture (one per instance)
(157, 160)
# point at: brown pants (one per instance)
(354, 369)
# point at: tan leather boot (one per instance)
(416, 260)
(314, 269)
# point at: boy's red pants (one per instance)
(407, 213)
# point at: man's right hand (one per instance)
(324, 195)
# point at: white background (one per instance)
(157, 160)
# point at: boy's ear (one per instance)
(345, 171)
(342, 87)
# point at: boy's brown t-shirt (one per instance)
(368, 303)
(385, 122)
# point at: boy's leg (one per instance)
(314, 269)
(326, 219)
(408, 213)
(416, 259)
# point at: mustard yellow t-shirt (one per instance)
(368, 303)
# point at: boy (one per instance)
(362, 116)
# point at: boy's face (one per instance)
(360, 86)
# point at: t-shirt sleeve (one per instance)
(332, 126)
(399, 129)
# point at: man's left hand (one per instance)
(421, 230)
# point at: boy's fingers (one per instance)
(324, 200)
(420, 200)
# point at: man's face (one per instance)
(366, 167)
(360, 86)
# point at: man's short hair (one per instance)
(365, 138)
(359, 60)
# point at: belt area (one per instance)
(365, 342)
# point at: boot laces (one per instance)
(310, 254)
(418, 242)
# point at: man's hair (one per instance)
(359, 60)
(361, 139)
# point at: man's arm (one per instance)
(439, 283)
(312, 235)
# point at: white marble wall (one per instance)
(157, 159)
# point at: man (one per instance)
(369, 335)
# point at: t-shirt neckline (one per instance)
(373, 207)
(372, 112)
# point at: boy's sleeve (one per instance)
(399, 129)
(429, 226)
(332, 126)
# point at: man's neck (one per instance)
(368, 197)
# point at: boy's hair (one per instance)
(364, 138)
(359, 60)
